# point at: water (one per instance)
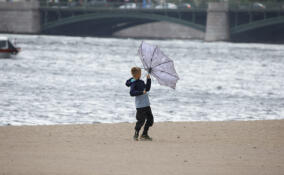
(64, 80)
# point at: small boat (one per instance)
(7, 49)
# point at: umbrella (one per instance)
(156, 63)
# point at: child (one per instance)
(139, 89)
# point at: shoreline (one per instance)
(229, 147)
(100, 123)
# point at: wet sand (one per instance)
(178, 148)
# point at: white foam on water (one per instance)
(72, 80)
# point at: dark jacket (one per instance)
(138, 86)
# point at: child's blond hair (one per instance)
(135, 71)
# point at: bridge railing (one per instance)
(256, 6)
(202, 5)
(106, 4)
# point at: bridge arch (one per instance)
(102, 16)
(257, 24)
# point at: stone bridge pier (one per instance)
(217, 25)
(20, 17)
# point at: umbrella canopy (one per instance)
(156, 63)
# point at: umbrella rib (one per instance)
(167, 73)
(152, 57)
(162, 63)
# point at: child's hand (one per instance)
(144, 92)
(148, 76)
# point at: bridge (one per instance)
(219, 20)
(106, 21)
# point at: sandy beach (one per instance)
(178, 148)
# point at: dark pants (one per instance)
(142, 115)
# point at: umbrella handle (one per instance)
(149, 70)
